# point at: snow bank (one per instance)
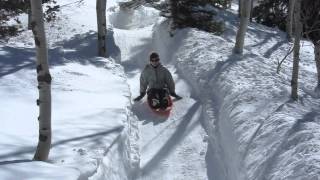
(90, 123)
(258, 133)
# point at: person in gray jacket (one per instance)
(157, 81)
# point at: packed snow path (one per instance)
(171, 147)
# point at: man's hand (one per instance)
(140, 96)
(173, 94)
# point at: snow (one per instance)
(235, 121)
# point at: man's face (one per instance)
(154, 61)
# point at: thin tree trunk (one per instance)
(29, 18)
(173, 9)
(44, 82)
(251, 9)
(317, 59)
(244, 20)
(239, 9)
(290, 19)
(101, 20)
(296, 52)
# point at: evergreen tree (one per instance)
(12, 8)
(272, 13)
(184, 13)
(189, 13)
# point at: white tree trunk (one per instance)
(101, 20)
(296, 51)
(239, 8)
(290, 19)
(29, 18)
(44, 82)
(244, 20)
(251, 9)
(317, 59)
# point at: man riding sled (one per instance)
(157, 82)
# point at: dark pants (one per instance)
(158, 98)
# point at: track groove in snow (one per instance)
(170, 147)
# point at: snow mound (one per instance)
(132, 19)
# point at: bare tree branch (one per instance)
(285, 57)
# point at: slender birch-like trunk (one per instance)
(244, 21)
(44, 82)
(296, 51)
(239, 9)
(102, 27)
(173, 13)
(317, 59)
(29, 18)
(290, 19)
(251, 10)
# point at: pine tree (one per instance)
(272, 13)
(184, 13)
(12, 8)
(189, 13)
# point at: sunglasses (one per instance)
(154, 59)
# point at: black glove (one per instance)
(173, 94)
(140, 96)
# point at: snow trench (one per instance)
(165, 143)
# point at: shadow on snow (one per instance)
(82, 48)
(176, 137)
(96, 138)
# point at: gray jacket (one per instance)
(156, 77)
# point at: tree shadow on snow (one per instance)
(82, 48)
(90, 138)
(183, 127)
(222, 66)
(14, 59)
(15, 161)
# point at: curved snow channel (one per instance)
(171, 147)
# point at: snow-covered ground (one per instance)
(235, 121)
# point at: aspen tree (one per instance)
(44, 81)
(102, 27)
(290, 19)
(296, 50)
(244, 20)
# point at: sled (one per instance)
(161, 111)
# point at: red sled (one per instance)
(161, 111)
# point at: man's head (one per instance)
(154, 59)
